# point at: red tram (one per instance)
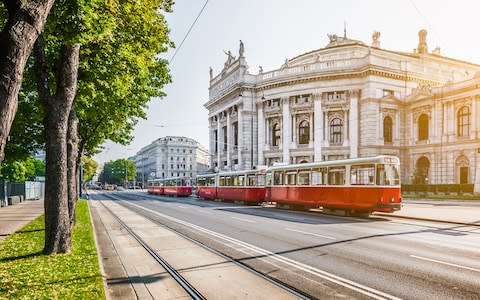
(176, 186)
(352, 186)
(243, 186)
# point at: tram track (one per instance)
(271, 258)
(191, 291)
(290, 289)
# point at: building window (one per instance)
(387, 130)
(225, 138)
(215, 134)
(336, 131)
(163, 167)
(276, 135)
(423, 127)
(304, 132)
(463, 121)
(235, 134)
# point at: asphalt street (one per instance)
(331, 256)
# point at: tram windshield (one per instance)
(388, 174)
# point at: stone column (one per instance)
(219, 144)
(353, 125)
(295, 131)
(474, 118)
(346, 139)
(396, 125)
(240, 135)
(261, 134)
(310, 133)
(229, 141)
(319, 123)
(286, 130)
(476, 186)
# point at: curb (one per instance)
(428, 219)
(102, 270)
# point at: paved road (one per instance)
(329, 256)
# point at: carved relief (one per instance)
(426, 109)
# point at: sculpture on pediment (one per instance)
(333, 37)
(376, 39)
(211, 73)
(285, 64)
(241, 50)
(230, 58)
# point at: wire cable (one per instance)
(188, 32)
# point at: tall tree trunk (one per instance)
(57, 110)
(25, 22)
(72, 150)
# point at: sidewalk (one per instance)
(133, 274)
(14, 217)
(465, 214)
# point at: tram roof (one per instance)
(340, 162)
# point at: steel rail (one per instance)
(192, 292)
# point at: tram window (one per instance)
(319, 176)
(228, 181)
(252, 180)
(222, 181)
(235, 180)
(211, 181)
(261, 180)
(268, 179)
(387, 175)
(291, 178)
(303, 178)
(201, 181)
(336, 176)
(362, 175)
(278, 178)
(241, 180)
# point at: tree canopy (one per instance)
(116, 171)
(22, 170)
(89, 168)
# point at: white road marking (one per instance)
(182, 206)
(309, 233)
(445, 263)
(360, 288)
(236, 207)
(244, 220)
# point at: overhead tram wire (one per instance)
(188, 32)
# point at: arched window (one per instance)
(423, 127)
(304, 132)
(276, 135)
(387, 130)
(422, 170)
(463, 121)
(336, 131)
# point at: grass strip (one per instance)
(27, 273)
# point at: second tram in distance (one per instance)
(175, 186)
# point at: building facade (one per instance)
(350, 100)
(171, 156)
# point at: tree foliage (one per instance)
(116, 171)
(22, 170)
(89, 168)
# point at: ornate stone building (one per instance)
(350, 100)
(171, 156)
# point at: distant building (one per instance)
(350, 100)
(171, 156)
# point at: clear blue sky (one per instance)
(273, 30)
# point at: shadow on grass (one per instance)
(12, 258)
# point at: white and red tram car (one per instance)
(244, 186)
(361, 185)
(207, 186)
(175, 186)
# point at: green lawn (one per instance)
(26, 273)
